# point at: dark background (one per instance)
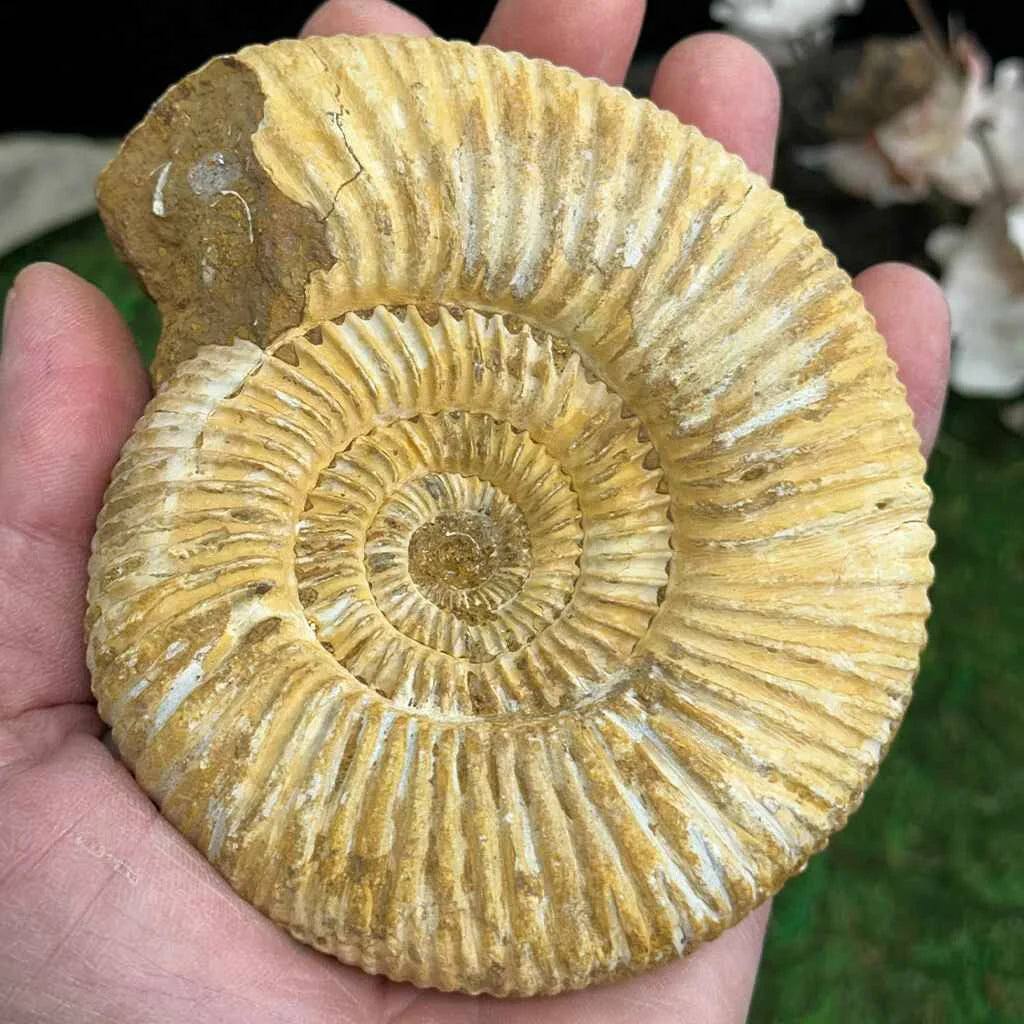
(103, 64)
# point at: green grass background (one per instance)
(915, 912)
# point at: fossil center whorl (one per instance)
(467, 550)
(459, 551)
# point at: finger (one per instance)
(596, 37)
(361, 17)
(728, 90)
(913, 317)
(71, 386)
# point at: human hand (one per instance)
(105, 911)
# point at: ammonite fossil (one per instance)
(521, 569)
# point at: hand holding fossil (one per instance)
(93, 861)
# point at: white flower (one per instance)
(862, 169)
(895, 163)
(920, 136)
(773, 26)
(965, 174)
(983, 280)
(1015, 226)
(933, 142)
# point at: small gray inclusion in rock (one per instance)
(211, 174)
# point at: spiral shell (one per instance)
(522, 568)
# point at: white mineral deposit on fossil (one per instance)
(521, 569)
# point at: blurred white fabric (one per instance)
(46, 181)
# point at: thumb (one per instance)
(71, 385)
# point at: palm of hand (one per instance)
(105, 911)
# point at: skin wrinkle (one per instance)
(45, 537)
(28, 601)
(37, 860)
(154, 824)
(72, 929)
(231, 963)
(191, 996)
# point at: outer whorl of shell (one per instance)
(523, 568)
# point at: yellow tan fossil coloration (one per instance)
(521, 569)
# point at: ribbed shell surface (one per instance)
(535, 603)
